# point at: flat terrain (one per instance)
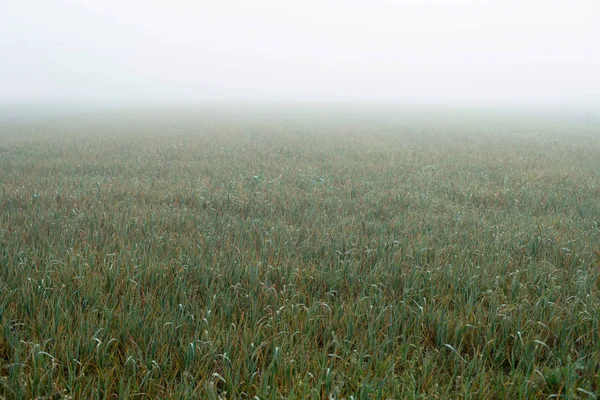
(299, 256)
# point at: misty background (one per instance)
(59, 54)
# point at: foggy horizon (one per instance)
(531, 54)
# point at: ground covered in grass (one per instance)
(186, 256)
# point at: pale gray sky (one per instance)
(440, 51)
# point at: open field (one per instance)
(198, 256)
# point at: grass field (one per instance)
(299, 256)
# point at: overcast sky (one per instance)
(436, 51)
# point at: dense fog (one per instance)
(515, 53)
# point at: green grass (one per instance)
(174, 256)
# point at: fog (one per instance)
(496, 52)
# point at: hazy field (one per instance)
(299, 255)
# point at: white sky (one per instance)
(495, 51)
